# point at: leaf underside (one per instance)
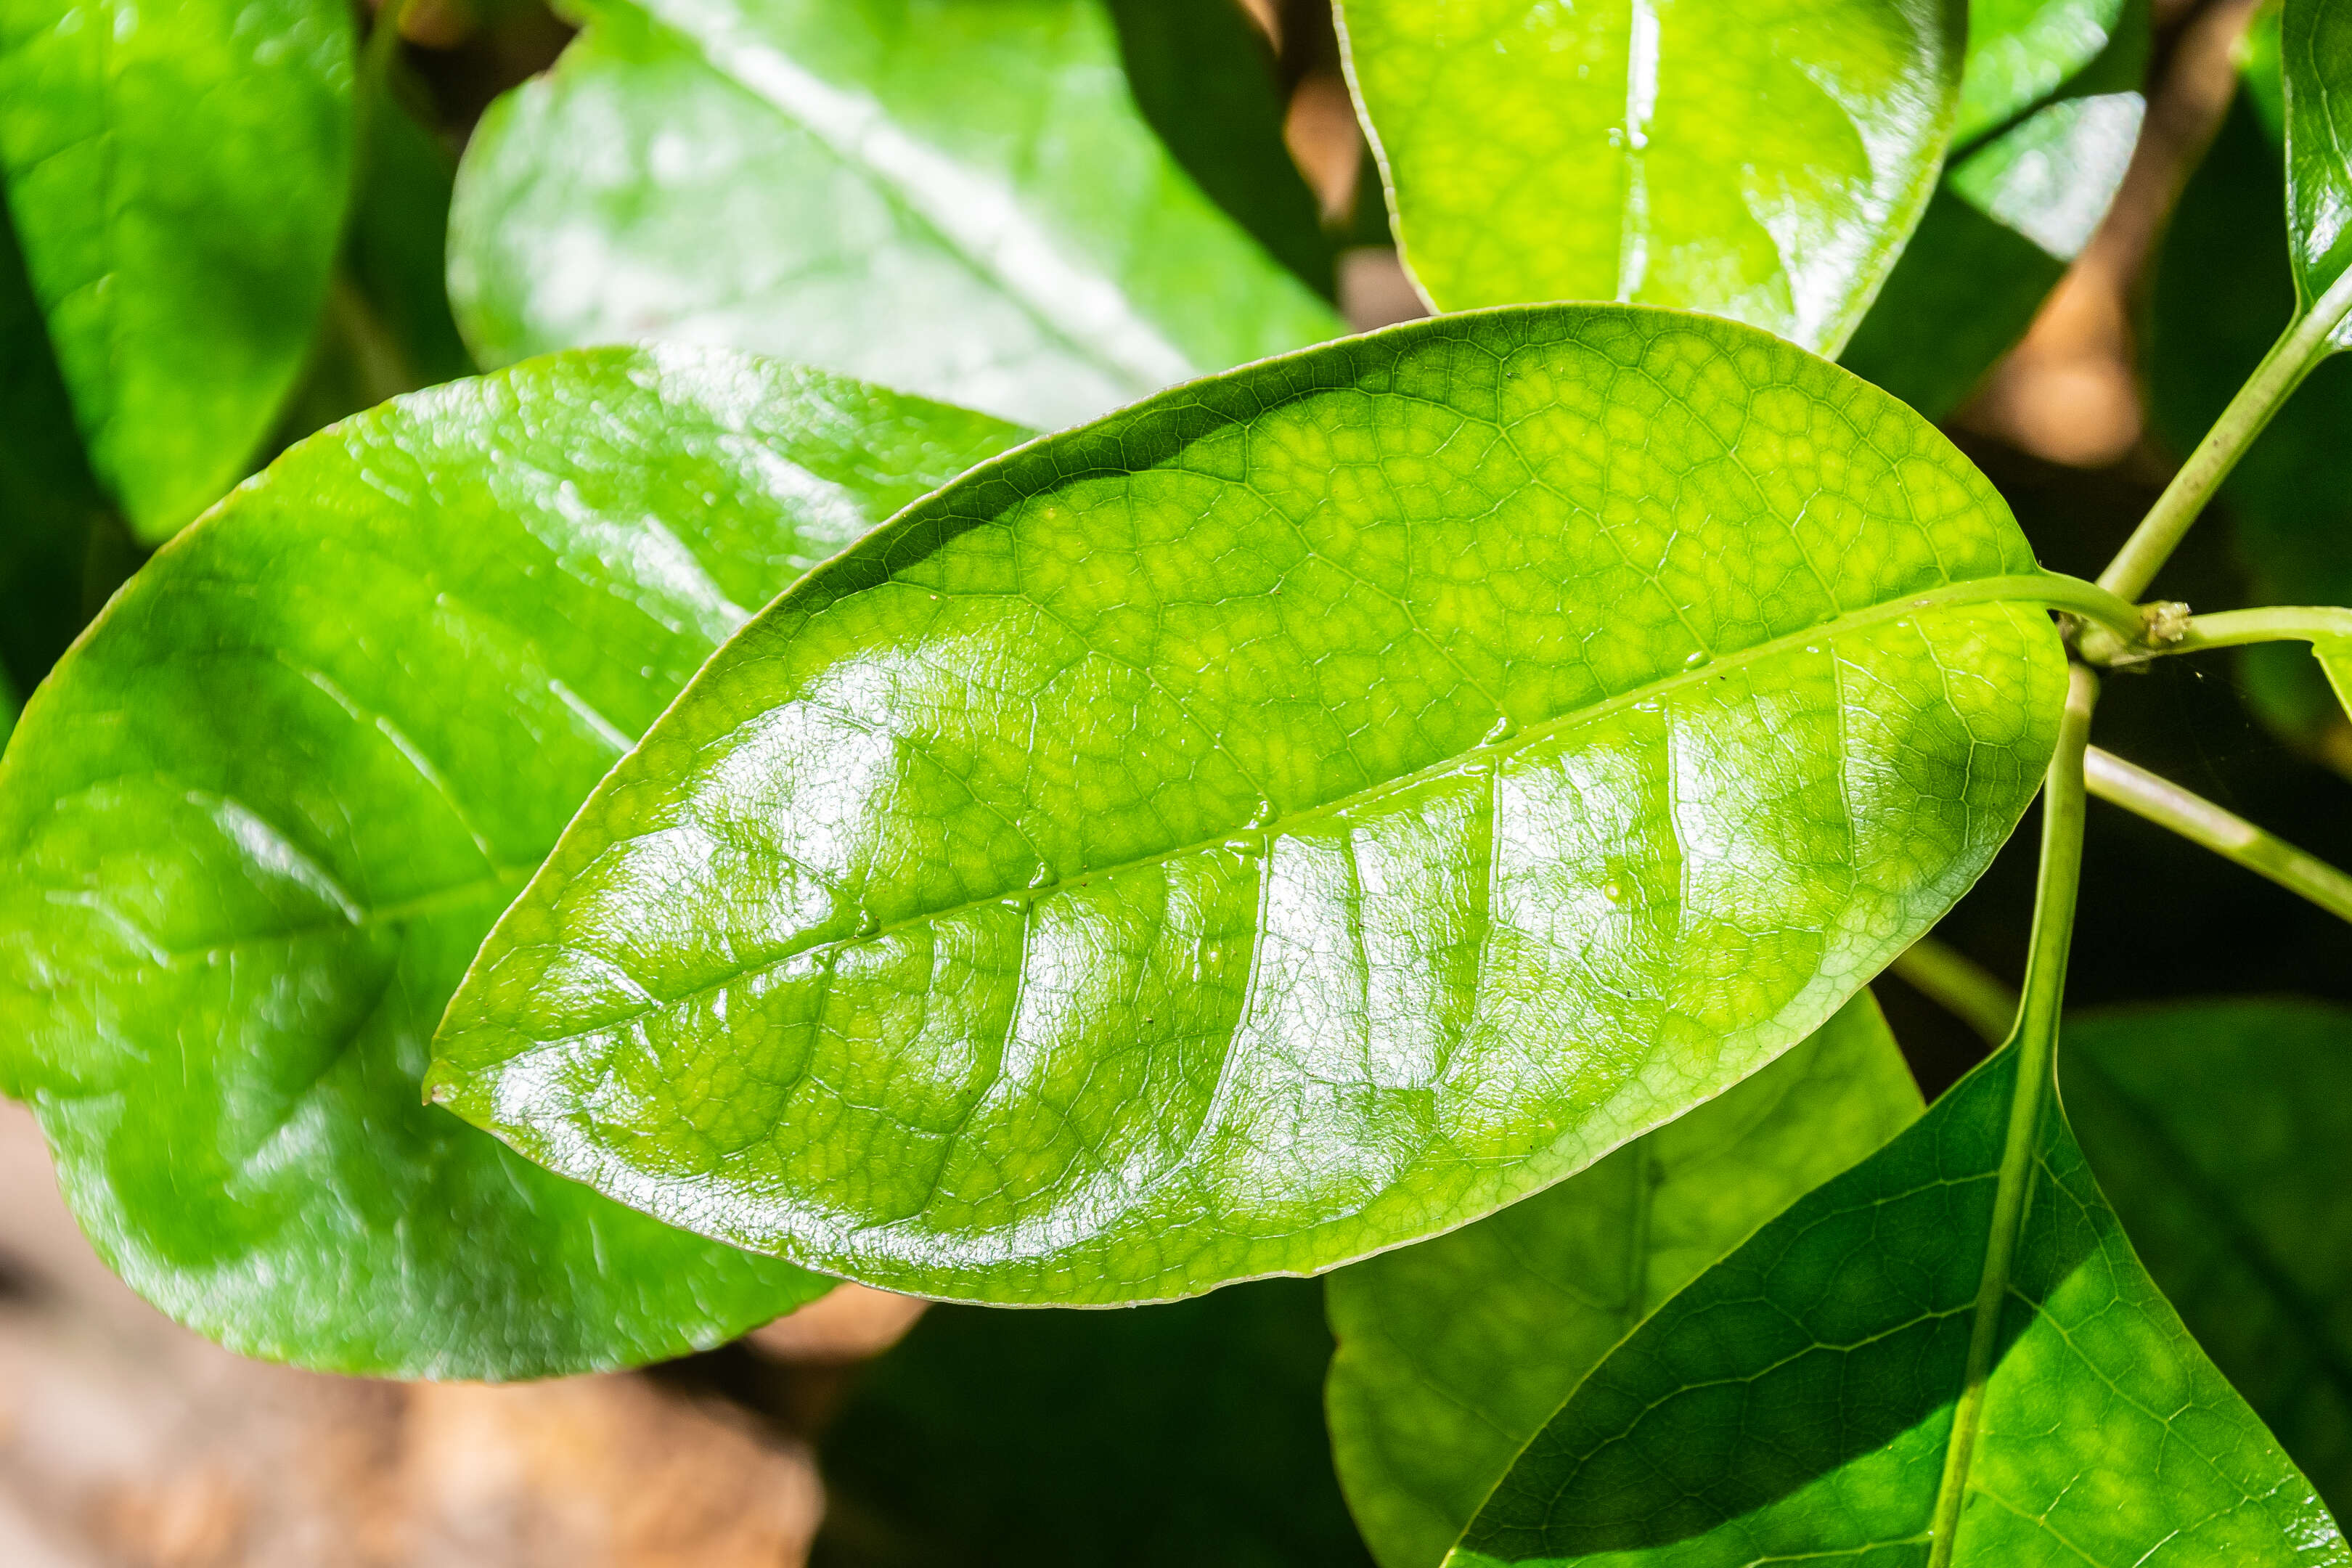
(959, 199)
(263, 815)
(1795, 1403)
(1451, 753)
(1454, 1351)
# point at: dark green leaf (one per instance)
(178, 176)
(2222, 293)
(1759, 159)
(2223, 1133)
(388, 328)
(2021, 51)
(1298, 815)
(1203, 77)
(2011, 213)
(2316, 62)
(956, 197)
(261, 818)
(1452, 1354)
(1169, 1436)
(1794, 1403)
(48, 502)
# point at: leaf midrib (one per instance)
(2040, 588)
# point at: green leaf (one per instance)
(1205, 78)
(1759, 159)
(958, 198)
(178, 176)
(2012, 212)
(1451, 752)
(1454, 1353)
(2223, 1133)
(1793, 1404)
(1164, 1438)
(2316, 61)
(261, 818)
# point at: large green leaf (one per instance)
(178, 175)
(953, 196)
(2223, 1133)
(2013, 208)
(260, 817)
(1793, 1404)
(1454, 1353)
(2316, 60)
(1167, 1436)
(1295, 815)
(1759, 159)
(1204, 78)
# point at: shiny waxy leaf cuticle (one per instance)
(1622, 150)
(1455, 751)
(264, 812)
(178, 177)
(1454, 1351)
(958, 199)
(1794, 1402)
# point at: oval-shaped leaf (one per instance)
(1795, 1403)
(262, 815)
(178, 176)
(959, 198)
(2316, 61)
(1302, 813)
(2012, 211)
(1452, 1354)
(1169, 1436)
(1759, 159)
(2222, 1130)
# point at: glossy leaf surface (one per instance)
(2223, 1133)
(1452, 1354)
(957, 198)
(262, 816)
(2316, 60)
(2012, 210)
(1167, 1436)
(1758, 159)
(1793, 1404)
(178, 176)
(1453, 752)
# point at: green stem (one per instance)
(2278, 623)
(1959, 986)
(2302, 345)
(2225, 833)
(2035, 1039)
